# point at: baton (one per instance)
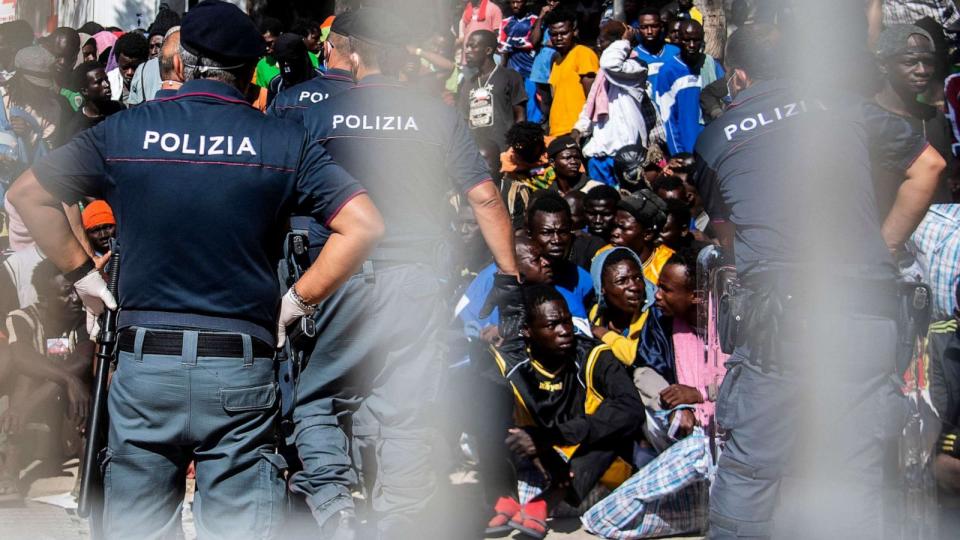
(90, 481)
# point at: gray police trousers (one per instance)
(219, 412)
(807, 437)
(377, 345)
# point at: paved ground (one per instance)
(38, 521)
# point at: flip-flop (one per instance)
(499, 524)
(524, 526)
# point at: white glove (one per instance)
(94, 293)
(93, 326)
(290, 312)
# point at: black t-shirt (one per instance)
(584, 247)
(78, 121)
(201, 185)
(488, 107)
(932, 125)
(792, 171)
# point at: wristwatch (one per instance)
(418, 52)
(309, 309)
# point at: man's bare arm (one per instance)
(494, 224)
(44, 217)
(913, 198)
(874, 12)
(357, 228)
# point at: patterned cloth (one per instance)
(667, 497)
(936, 245)
(910, 11)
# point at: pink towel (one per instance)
(598, 102)
(693, 368)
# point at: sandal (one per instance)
(505, 508)
(531, 520)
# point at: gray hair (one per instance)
(200, 67)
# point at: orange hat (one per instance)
(97, 213)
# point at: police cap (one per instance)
(647, 208)
(220, 31)
(374, 25)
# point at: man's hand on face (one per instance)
(520, 442)
(680, 394)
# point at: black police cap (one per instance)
(374, 25)
(219, 30)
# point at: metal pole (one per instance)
(618, 10)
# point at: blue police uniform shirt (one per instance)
(201, 185)
(408, 149)
(779, 162)
(290, 103)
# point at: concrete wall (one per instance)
(126, 14)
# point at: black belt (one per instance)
(208, 344)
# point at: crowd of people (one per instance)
(595, 395)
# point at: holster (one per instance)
(913, 319)
(749, 316)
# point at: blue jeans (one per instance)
(166, 410)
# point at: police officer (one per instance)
(807, 401)
(378, 335)
(201, 185)
(291, 103)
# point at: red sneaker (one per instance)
(505, 508)
(531, 520)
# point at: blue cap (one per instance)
(220, 31)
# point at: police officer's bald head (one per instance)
(367, 31)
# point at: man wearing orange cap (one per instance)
(100, 225)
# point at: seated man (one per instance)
(549, 225)
(100, 225)
(637, 225)
(676, 233)
(525, 167)
(668, 495)
(943, 351)
(600, 207)
(44, 371)
(585, 245)
(577, 413)
(624, 298)
(535, 270)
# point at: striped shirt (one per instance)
(936, 245)
(944, 12)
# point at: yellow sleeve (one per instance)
(624, 348)
(588, 62)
